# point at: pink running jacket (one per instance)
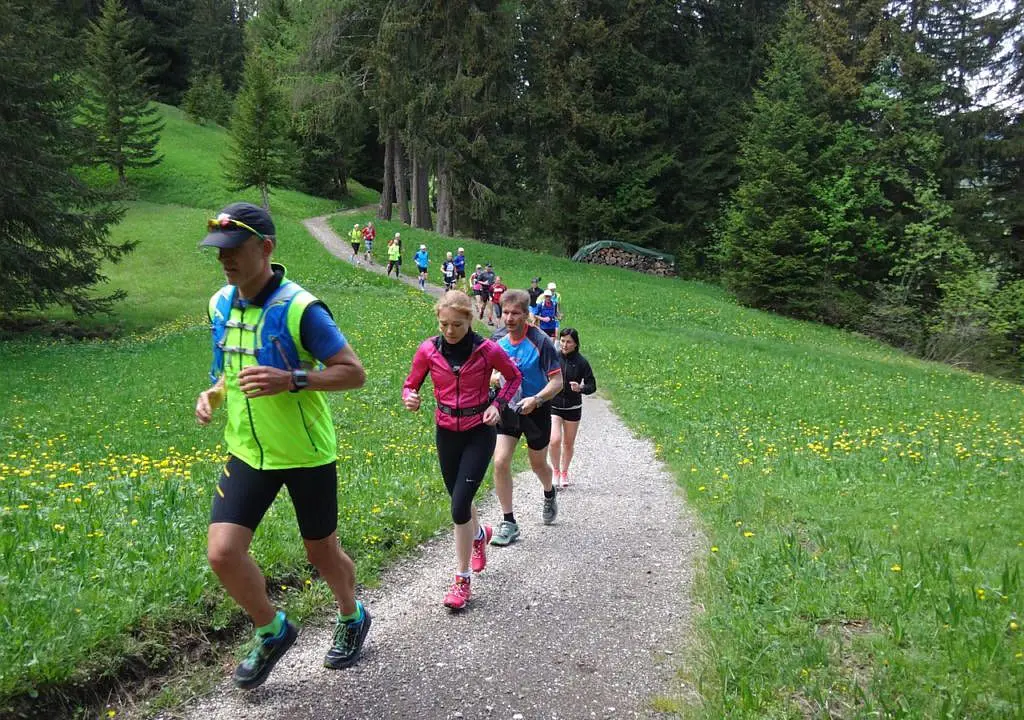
(467, 389)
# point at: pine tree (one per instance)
(207, 99)
(54, 231)
(117, 110)
(603, 109)
(261, 154)
(773, 246)
(164, 29)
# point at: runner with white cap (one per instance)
(422, 260)
(460, 270)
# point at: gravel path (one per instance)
(586, 618)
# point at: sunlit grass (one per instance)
(862, 507)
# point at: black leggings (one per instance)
(464, 457)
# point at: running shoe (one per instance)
(257, 665)
(565, 480)
(348, 641)
(459, 595)
(479, 559)
(550, 509)
(508, 533)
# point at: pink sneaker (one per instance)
(479, 559)
(459, 595)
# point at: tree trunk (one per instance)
(414, 189)
(387, 194)
(444, 201)
(401, 183)
(421, 193)
(265, 194)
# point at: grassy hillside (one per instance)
(862, 507)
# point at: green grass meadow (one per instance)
(863, 510)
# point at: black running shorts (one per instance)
(244, 494)
(573, 415)
(536, 426)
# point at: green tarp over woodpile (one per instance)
(593, 247)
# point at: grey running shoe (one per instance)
(348, 641)
(506, 534)
(264, 656)
(550, 509)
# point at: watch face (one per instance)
(301, 378)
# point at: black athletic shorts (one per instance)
(244, 494)
(460, 273)
(536, 426)
(421, 268)
(573, 415)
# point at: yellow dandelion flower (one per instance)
(748, 534)
(714, 548)
(896, 568)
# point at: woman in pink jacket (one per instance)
(460, 363)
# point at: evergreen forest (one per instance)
(859, 164)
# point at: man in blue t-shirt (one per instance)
(536, 357)
(460, 268)
(422, 260)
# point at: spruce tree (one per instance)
(125, 124)
(54, 231)
(260, 154)
(602, 111)
(207, 100)
(769, 256)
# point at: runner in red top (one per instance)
(497, 290)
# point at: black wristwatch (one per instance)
(300, 380)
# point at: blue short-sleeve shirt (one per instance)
(534, 355)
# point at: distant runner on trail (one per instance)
(460, 269)
(497, 290)
(422, 260)
(567, 406)
(475, 287)
(486, 281)
(537, 360)
(394, 255)
(355, 238)
(276, 350)
(534, 290)
(448, 272)
(369, 235)
(546, 313)
(460, 364)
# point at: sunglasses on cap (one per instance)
(225, 221)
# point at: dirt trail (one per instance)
(586, 618)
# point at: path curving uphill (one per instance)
(586, 618)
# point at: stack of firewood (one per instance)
(632, 261)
